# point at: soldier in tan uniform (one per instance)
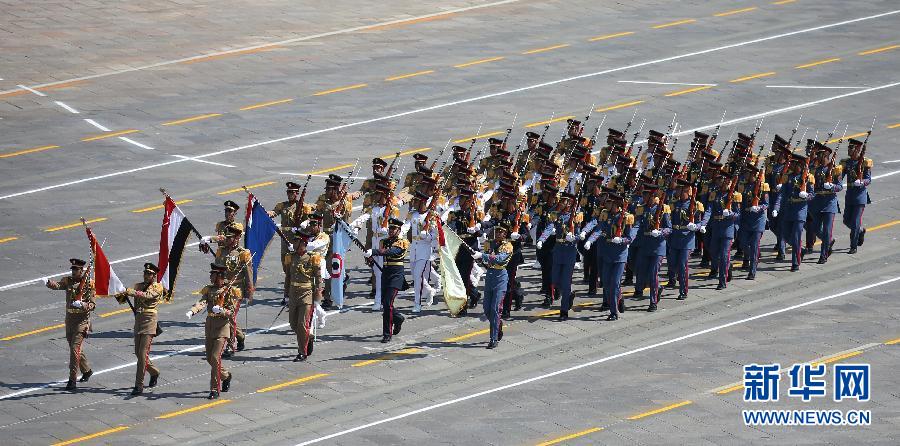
(218, 298)
(291, 213)
(237, 261)
(147, 295)
(79, 305)
(231, 209)
(306, 287)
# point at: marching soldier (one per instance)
(753, 217)
(688, 217)
(424, 235)
(394, 250)
(544, 214)
(306, 288)
(775, 166)
(292, 213)
(237, 261)
(231, 209)
(724, 209)
(617, 232)
(466, 222)
(79, 290)
(147, 295)
(495, 254)
(792, 204)
(381, 213)
(565, 252)
(857, 169)
(825, 203)
(218, 298)
(655, 225)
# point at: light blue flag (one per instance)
(340, 241)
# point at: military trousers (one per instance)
(678, 264)
(142, 343)
(495, 283)
(300, 314)
(853, 214)
(823, 227)
(648, 267)
(751, 241)
(76, 331)
(720, 250)
(612, 284)
(793, 235)
(217, 373)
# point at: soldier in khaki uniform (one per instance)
(292, 212)
(147, 296)
(237, 261)
(218, 298)
(79, 305)
(306, 287)
(231, 209)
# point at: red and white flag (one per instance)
(105, 279)
(175, 231)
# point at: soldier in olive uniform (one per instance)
(394, 250)
(79, 305)
(237, 261)
(147, 295)
(292, 212)
(306, 287)
(218, 298)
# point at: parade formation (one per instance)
(626, 213)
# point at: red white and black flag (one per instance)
(175, 231)
(107, 283)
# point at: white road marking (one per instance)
(94, 123)
(473, 99)
(187, 158)
(131, 141)
(666, 83)
(890, 162)
(29, 89)
(63, 105)
(594, 362)
(814, 87)
(298, 174)
(279, 43)
(877, 177)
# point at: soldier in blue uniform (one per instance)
(753, 217)
(775, 166)
(857, 196)
(495, 254)
(544, 213)
(394, 249)
(565, 251)
(617, 233)
(792, 204)
(724, 212)
(682, 240)
(654, 225)
(825, 203)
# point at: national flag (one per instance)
(451, 281)
(340, 241)
(175, 231)
(260, 229)
(106, 282)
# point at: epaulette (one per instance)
(582, 202)
(315, 258)
(869, 163)
(738, 197)
(700, 207)
(204, 290)
(667, 209)
(506, 246)
(534, 199)
(629, 219)
(765, 187)
(811, 178)
(639, 210)
(712, 195)
(838, 170)
(402, 242)
(604, 215)
(579, 217)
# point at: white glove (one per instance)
(382, 231)
(777, 187)
(216, 309)
(206, 239)
(189, 314)
(692, 227)
(477, 255)
(726, 212)
(775, 213)
(587, 245)
(304, 224)
(582, 235)
(828, 186)
(536, 265)
(703, 229)
(656, 233)
(570, 237)
(540, 245)
(528, 226)
(368, 253)
(803, 194)
(477, 226)
(858, 183)
(77, 304)
(515, 235)
(754, 208)
(617, 240)
(290, 248)
(423, 234)
(472, 230)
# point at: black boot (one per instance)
(652, 307)
(862, 237)
(398, 325)
(300, 357)
(622, 307)
(86, 376)
(153, 380)
(682, 296)
(385, 339)
(563, 315)
(226, 383)
(505, 314)
(70, 386)
(779, 257)
(612, 317)
(240, 345)
(213, 394)
(751, 276)
(137, 391)
(852, 251)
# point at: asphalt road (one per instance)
(102, 105)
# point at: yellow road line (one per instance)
(837, 358)
(884, 225)
(408, 152)
(73, 225)
(292, 383)
(153, 208)
(231, 54)
(618, 106)
(330, 169)
(27, 333)
(878, 50)
(110, 135)
(679, 22)
(538, 124)
(610, 36)
(818, 62)
(265, 104)
(783, 2)
(31, 150)
(483, 135)
(733, 12)
(192, 119)
(855, 135)
(91, 436)
(336, 90)
(688, 90)
(8, 239)
(549, 48)
(406, 351)
(893, 126)
(754, 76)
(730, 389)
(894, 342)
(404, 76)
(192, 409)
(478, 62)
(571, 436)
(113, 313)
(238, 189)
(468, 335)
(660, 410)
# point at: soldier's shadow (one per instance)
(115, 334)
(150, 395)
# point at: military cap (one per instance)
(653, 134)
(573, 122)
(503, 225)
(700, 135)
(316, 216)
(335, 177)
(713, 164)
(819, 147)
(419, 195)
(681, 182)
(852, 142)
(709, 155)
(217, 268)
(649, 187)
(332, 182)
(743, 137)
(424, 170)
(779, 143)
(504, 153)
(589, 168)
(290, 185)
(420, 157)
(545, 147)
(615, 196)
(77, 263)
(615, 133)
(459, 149)
(661, 151)
(495, 141)
(566, 195)
(395, 222)
(429, 179)
(799, 155)
(379, 162)
(150, 268)
(234, 228)
(532, 135)
(231, 205)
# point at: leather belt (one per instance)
(393, 263)
(825, 192)
(302, 285)
(497, 267)
(720, 217)
(75, 311)
(798, 200)
(679, 227)
(147, 311)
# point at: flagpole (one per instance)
(277, 229)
